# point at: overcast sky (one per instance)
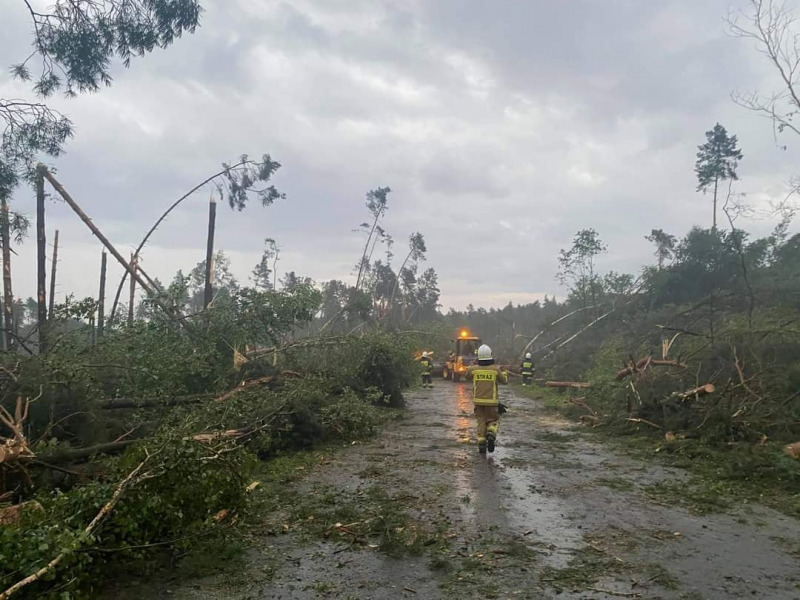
(502, 128)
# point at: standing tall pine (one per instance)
(717, 160)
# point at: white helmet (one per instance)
(424, 355)
(484, 353)
(527, 355)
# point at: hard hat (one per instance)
(484, 353)
(527, 355)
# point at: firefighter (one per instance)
(485, 377)
(427, 369)
(527, 370)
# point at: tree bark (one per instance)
(101, 297)
(122, 403)
(703, 390)
(53, 267)
(132, 296)
(579, 385)
(208, 292)
(646, 362)
(716, 184)
(8, 296)
(63, 456)
(41, 260)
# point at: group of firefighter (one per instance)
(485, 376)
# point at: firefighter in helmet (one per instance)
(427, 369)
(485, 377)
(528, 369)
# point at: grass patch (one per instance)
(698, 495)
(212, 558)
(373, 518)
(584, 569)
(722, 476)
(553, 436)
(616, 483)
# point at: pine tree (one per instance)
(717, 160)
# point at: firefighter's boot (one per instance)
(482, 447)
(490, 439)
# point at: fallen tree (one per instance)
(120, 403)
(578, 385)
(696, 392)
(645, 363)
(168, 401)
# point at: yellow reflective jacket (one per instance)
(484, 383)
(427, 365)
(527, 366)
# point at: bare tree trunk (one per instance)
(8, 296)
(101, 298)
(132, 298)
(41, 261)
(114, 252)
(716, 183)
(53, 266)
(166, 213)
(208, 292)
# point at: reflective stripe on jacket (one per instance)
(427, 365)
(527, 367)
(484, 383)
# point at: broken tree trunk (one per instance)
(119, 403)
(12, 514)
(53, 267)
(702, 390)
(62, 456)
(101, 297)
(208, 292)
(578, 385)
(41, 261)
(256, 382)
(132, 296)
(114, 252)
(8, 296)
(643, 363)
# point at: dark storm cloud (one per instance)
(502, 128)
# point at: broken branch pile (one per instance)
(644, 363)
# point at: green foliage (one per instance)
(74, 45)
(665, 245)
(184, 483)
(264, 272)
(717, 159)
(577, 266)
(239, 181)
(76, 41)
(377, 361)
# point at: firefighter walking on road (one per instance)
(427, 370)
(485, 377)
(527, 369)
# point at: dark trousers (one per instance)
(527, 378)
(426, 379)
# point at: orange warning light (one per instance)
(464, 333)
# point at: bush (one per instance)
(187, 483)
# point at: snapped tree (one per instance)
(665, 245)
(74, 47)
(576, 267)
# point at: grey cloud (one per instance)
(502, 128)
